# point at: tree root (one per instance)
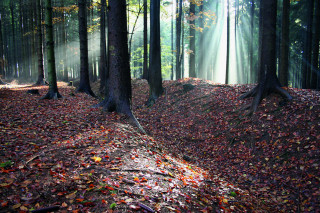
(52, 95)
(259, 93)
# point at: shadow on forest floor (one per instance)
(203, 155)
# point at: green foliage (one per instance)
(6, 164)
(113, 205)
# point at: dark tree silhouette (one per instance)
(40, 80)
(307, 50)
(1, 52)
(228, 42)
(192, 58)
(268, 80)
(155, 78)
(178, 40)
(145, 39)
(103, 50)
(315, 74)
(118, 93)
(84, 85)
(52, 77)
(284, 48)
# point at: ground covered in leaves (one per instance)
(202, 153)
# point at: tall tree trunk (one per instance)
(172, 40)
(201, 72)
(145, 39)
(192, 55)
(118, 95)
(228, 43)
(2, 62)
(103, 49)
(64, 46)
(84, 85)
(268, 81)
(178, 39)
(251, 74)
(40, 80)
(307, 52)
(14, 56)
(315, 74)
(155, 78)
(284, 48)
(53, 88)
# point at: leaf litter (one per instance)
(202, 154)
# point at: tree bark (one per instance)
(2, 63)
(145, 39)
(284, 48)
(118, 94)
(228, 43)
(201, 71)
(192, 55)
(178, 39)
(84, 85)
(53, 88)
(103, 49)
(315, 74)
(155, 78)
(40, 80)
(268, 81)
(307, 52)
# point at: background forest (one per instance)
(209, 39)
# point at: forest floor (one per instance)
(201, 154)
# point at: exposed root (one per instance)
(87, 91)
(52, 95)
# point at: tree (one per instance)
(40, 80)
(155, 78)
(192, 58)
(84, 85)
(284, 48)
(118, 93)
(145, 39)
(53, 88)
(1, 52)
(103, 49)
(64, 44)
(315, 78)
(228, 42)
(178, 38)
(307, 51)
(268, 81)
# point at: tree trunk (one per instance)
(268, 81)
(2, 62)
(201, 72)
(14, 56)
(315, 59)
(192, 55)
(64, 46)
(118, 93)
(103, 50)
(306, 56)
(251, 74)
(53, 88)
(155, 78)
(228, 42)
(40, 80)
(145, 39)
(178, 39)
(84, 85)
(284, 48)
